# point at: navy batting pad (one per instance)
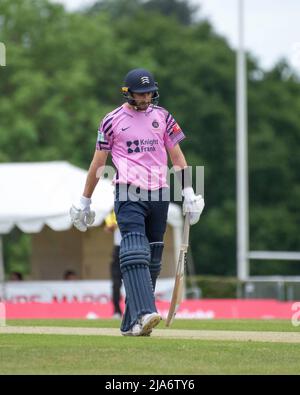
(134, 263)
(156, 249)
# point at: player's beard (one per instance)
(142, 106)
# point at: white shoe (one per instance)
(148, 322)
(117, 316)
(144, 325)
(126, 333)
(134, 331)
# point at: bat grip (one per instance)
(186, 230)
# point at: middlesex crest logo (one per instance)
(145, 80)
(155, 124)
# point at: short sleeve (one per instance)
(173, 133)
(105, 135)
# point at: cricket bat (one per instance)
(179, 276)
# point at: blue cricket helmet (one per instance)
(139, 81)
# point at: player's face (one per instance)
(142, 100)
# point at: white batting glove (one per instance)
(81, 214)
(193, 204)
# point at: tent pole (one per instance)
(2, 272)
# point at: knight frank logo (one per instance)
(133, 146)
(142, 145)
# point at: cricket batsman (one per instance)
(139, 134)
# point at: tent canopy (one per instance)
(41, 193)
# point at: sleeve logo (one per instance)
(101, 137)
(176, 128)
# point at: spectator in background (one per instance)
(70, 275)
(115, 272)
(16, 276)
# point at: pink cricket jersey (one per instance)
(137, 141)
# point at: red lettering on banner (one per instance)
(24, 299)
(85, 298)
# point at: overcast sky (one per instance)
(272, 27)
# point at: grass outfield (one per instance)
(69, 354)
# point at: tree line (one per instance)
(64, 72)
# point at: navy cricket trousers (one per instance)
(145, 215)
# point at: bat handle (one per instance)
(186, 230)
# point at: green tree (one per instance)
(64, 72)
(182, 10)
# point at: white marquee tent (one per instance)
(36, 194)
